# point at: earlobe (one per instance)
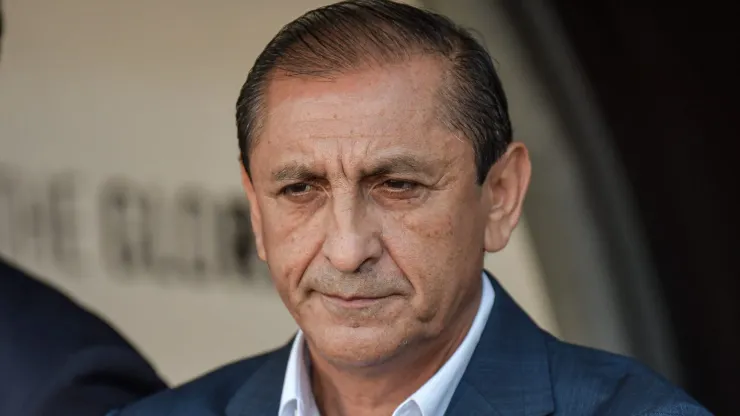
(506, 186)
(254, 213)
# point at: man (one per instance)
(379, 166)
(57, 359)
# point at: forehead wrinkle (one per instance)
(310, 112)
(374, 108)
(350, 164)
(327, 154)
(310, 134)
(406, 91)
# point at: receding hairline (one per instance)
(442, 63)
(355, 34)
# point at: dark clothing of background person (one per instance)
(56, 358)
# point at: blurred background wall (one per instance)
(119, 178)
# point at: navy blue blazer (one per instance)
(58, 359)
(516, 369)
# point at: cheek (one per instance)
(440, 232)
(291, 243)
(436, 247)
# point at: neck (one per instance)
(380, 389)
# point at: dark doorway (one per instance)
(665, 79)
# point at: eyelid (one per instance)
(285, 188)
(406, 187)
(401, 180)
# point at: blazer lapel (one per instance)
(508, 373)
(260, 394)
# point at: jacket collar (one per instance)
(260, 394)
(508, 374)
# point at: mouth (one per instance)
(354, 302)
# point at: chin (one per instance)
(358, 347)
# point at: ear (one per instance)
(254, 213)
(505, 188)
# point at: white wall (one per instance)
(145, 89)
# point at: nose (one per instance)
(353, 237)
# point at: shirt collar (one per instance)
(297, 398)
(431, 399)
(434, 396)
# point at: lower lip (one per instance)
(357, 303)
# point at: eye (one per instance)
(398, 190)
(395, 185)
(296, 189)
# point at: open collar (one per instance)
(508, 374)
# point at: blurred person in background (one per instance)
(56, 358)
(379, 165)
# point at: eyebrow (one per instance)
(294, 172)
(384, 166)
(397, 164)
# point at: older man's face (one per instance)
(367, 211)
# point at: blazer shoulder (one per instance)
(206, 395)
(612, 384)
(55, 347)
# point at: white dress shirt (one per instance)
(431, 399)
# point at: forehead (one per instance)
(355, 115)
